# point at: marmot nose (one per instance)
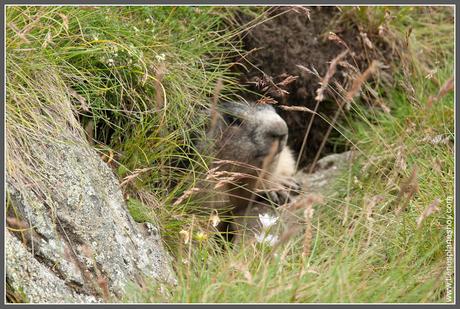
(278, 135)
(279, 130)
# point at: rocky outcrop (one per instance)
(77, 242)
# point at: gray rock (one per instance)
(26, 272)
(326, 171)
(83, 243)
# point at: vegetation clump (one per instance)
(133, 81)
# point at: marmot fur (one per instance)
(248, 141)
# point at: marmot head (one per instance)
(249, 133)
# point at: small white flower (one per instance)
(185, 235)
(110, 62)
(267, 220)
(135, 29)
(270, 239)
(215, 220)
(160, 57)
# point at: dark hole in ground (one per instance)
(294, 36)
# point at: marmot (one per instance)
(248, 142)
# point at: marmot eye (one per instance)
(232, 120)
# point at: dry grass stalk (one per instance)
(325, 137)
(379, 102)
(266, 100)
(310, 71)
(185, 195)
(432, 208)
(400, 162)
(408, 189)
(335, 38)
(301, 10)
(366, 40)
(89, 131)
(48, 39)
(446, 88)
(288, 80)
(65, 21)
(18, 32)
(110, 156)
(222, 178)
(84, 106)
(346, 210)
(159, 90)
(243, 268)
(308, 216)
(267, 162)
(359, 81)
(297, 109)
(134, 174)
(294, 229)
(215, 98)
(330, 72)
(369, 206)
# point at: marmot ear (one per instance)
(231, 120)
(213, 115)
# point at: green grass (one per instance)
(137, 77)
(358, 256)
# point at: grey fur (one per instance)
(251, 139)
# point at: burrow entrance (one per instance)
(291, 52)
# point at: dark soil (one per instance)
(301, 36)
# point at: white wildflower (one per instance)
(270, 239)
(215, 220)
(267, 220)
(135, 29)
(161, 57)
(185, 235)
(110, 62)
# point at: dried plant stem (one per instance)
(330, 72)
(308, 215)
(215, 98)
(328, 132)
(304, 142)
(359, 81)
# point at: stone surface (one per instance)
(326, 170)
(83, 245)
(26, 272)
